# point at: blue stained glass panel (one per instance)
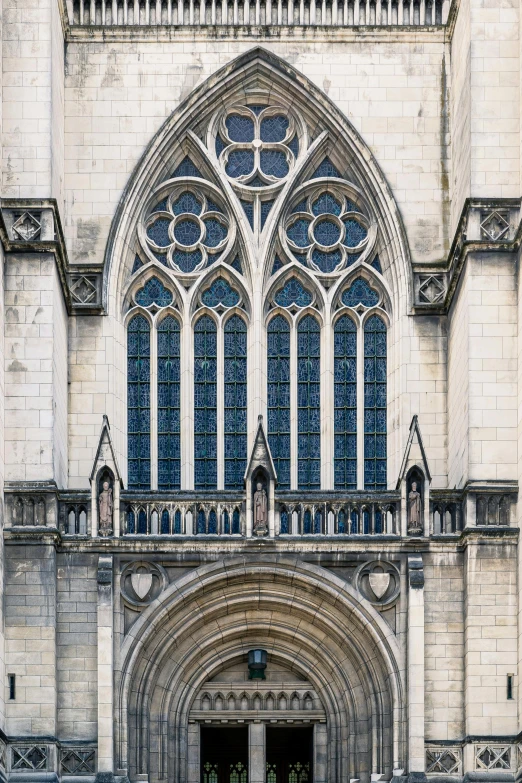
(308, 403)
(236, 264)
(187, 203)
(137, 264)
(278, 391)
(205, 404)
(293, 293)
(257, 182)
(307, 522)
(355, 233)
(326, 204)
(375, 404)
(131, 521)
(293, 144)
(220, 145)
(165, 522)
(298, 232)
(327, 233)
(161, 206)
(274, 163)
(236, 522)
(212, 206)
(220, 293)
(226, 522)
(235, 370)
(325, 169)
(187, 262)
(377, 264)
(257, 109)
(274, 129)
(215, 232)
(162, 258)
(284, 526)
(266, 206)
(240, 163)
(177, 522)
(142, 523)
(187, 232)
(345, 404)
(360, 293)
(158, 232)
(212, 522)
(138, 404)
(186, 169)
(278, 264)
(302, 206)
(326, 262)
(240, 128)
(201, 522)
(153, 292)
(248, 208)
(169, 458)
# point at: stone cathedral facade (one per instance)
(260, 391)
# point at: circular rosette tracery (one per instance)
(257, 145)
(327, 227)
(188, 227)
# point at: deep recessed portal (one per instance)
(224, 754)
(289, 754)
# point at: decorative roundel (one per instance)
(257, 145)
(188, 229)
(142, 582)
(326, 230)
(378, 581)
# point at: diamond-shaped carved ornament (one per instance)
(494, 226)
(432, 290)
(27, 227)
(83, 290)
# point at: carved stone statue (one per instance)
(415, 526)
(106, 507)
(260, 511)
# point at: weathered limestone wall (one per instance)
(35, 363)
(77, 646)
(444, 646)
(2, 478)
(490, 637)
(460, 114)
(30, 631)
(458, 385)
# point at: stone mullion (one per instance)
(294, 452)
(154, 405)
(360, 406)
(220, 399)
(327, 406)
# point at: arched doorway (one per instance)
(311, 623)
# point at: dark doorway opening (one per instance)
(289, 754)
(224, 754)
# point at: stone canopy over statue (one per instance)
(260, 510)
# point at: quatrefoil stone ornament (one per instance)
(494, 226)
(27, 227)
(431, 290)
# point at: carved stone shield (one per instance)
(141, 584)
(379, 584)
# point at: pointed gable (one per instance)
(414, 453)
(260, 456)
(105, 454)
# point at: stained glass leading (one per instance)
(153, 292)
(187, 203)
(220, 293)
(169, 465)
(360, 293)
(278, 368)
(308, 403)
(205, 403)
(375, 403)
(345, 404)
(235, 370)
(273, 129)
(138, 402)
(293, 292)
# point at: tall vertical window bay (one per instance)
(235, 370)
(169, 462)
(279, 397)
(308, 403)
(375, 352)
(205, 403)
(138, 402)
(345, 403)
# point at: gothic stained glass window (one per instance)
(279, 397)
(138, 402)
(293, 293)
(220, 293)
(205, 403)
(360, 293)
(235, 370)
(153, 292)
(375, 403)
(345, 404)
(308, 404)
(169, 465)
